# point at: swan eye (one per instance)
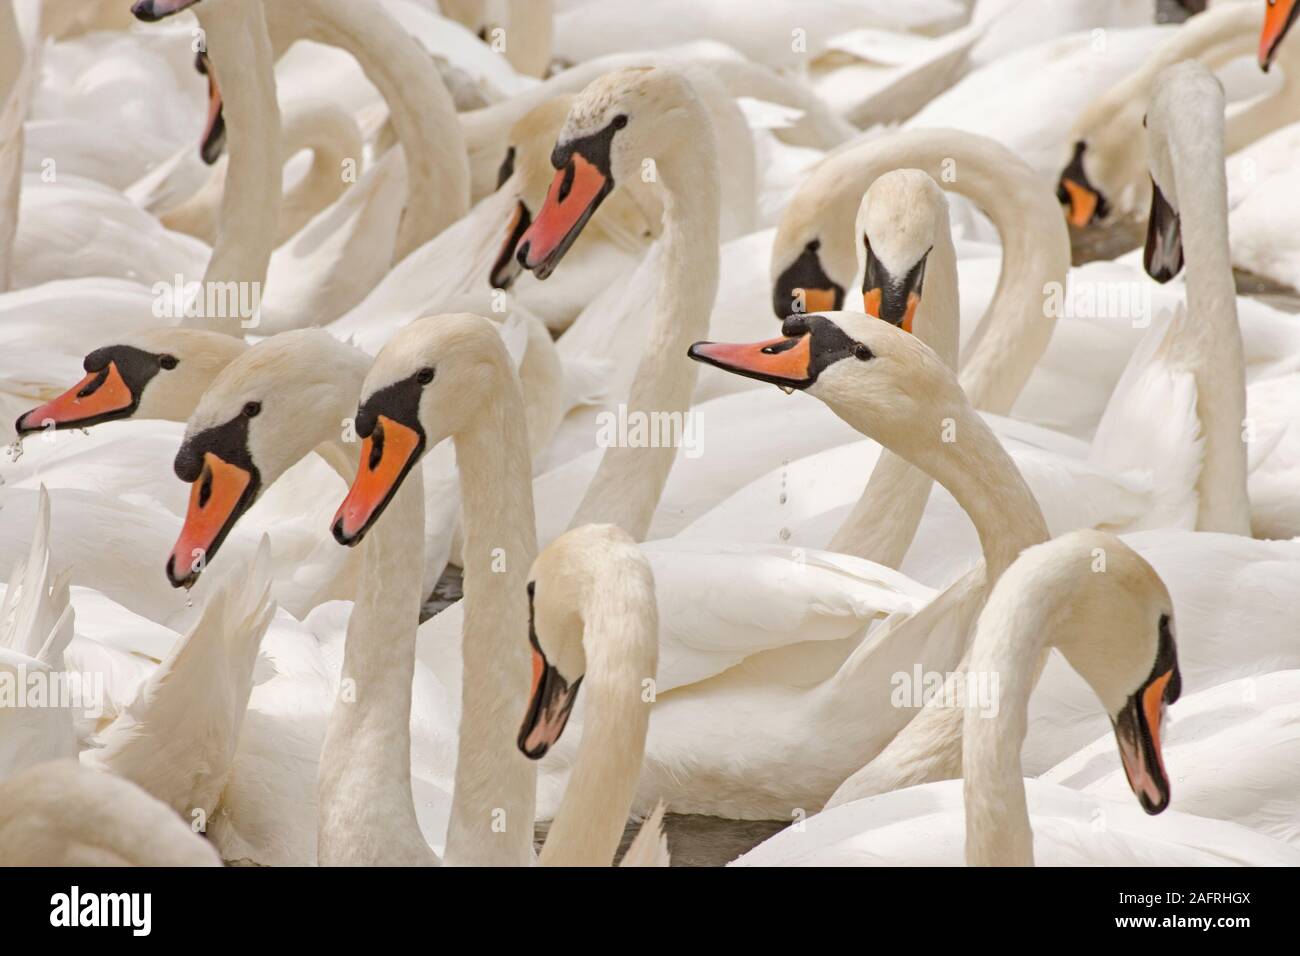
(813, 245)
(251, 409)
(619, 121)
(168, 361)
(425, 376)
(863, 353)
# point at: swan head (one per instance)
(266, 410)
(616, 126)
(899, 221)
(527, 169)
(1114, 623)
(151, 11)
(428, 383)
(875, 376)
(1279, 17)
(813, 255)
(1084, 200)
(1187, 103)
(586, 578)
(155, 373)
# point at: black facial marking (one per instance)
(830, 343)
(505, 269)
(805, 272)
(507, 167)
(229, 442)
(1075, 173)
(894, 291)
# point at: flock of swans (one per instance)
(455, 240)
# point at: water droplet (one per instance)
(782, 499)
(785, 534)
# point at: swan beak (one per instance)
(387, 454)
(99, 397)
(507, 268)
(785, 362)
(1278, 19)
(549, 704)
(1163, 257)
(577, 190)
(214, 133)
(150, 11)
(1137, 731)
(1086, 203)
(218, 497)
(893, 300)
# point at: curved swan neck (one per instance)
(420, 107)
(333, 138)
(366, 809)
(629, 481)
(620, 638)
(1008, 642)
(241, 52)
(1209, 341)
(495, 787)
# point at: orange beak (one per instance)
(1083, 203)
(574, 194)
(1138, 733)
(1278, 20)
(872, 299)
(218, 497)
(99, 397)
(387, 454)
(785, 361)
(817, 300)
(550, 702)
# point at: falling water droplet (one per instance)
(785, 534)
(783, 498)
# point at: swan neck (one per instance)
(621, 643)
(629, 481)
(1008, 643)
(1209, 342)
(419, 104)
(250, 204)
(494, 799)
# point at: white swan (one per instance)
(440, 377)
(1116, 628)
(593, 624)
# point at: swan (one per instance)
(1279, 17)
(440, 377)
(1116, 628)
(592, 623)
(1202, 352)
(603, 144)
(1106, 168)
(816, 247)
(60, 814)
